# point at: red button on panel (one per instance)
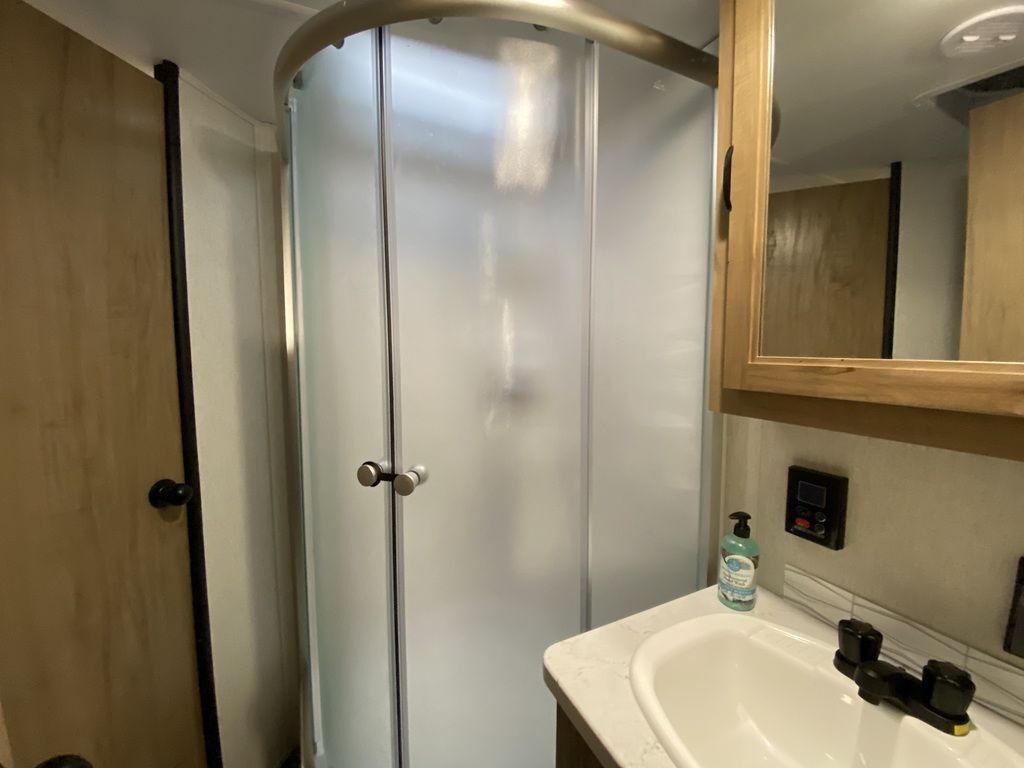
(803, 522)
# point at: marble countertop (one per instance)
(589, 677)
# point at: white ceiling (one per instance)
(847, 75)
(231, 45)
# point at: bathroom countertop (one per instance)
(589, 677)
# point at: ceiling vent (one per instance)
(986, 32)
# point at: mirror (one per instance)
(895, 224)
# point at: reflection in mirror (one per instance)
(895, 222)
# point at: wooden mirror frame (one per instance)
(972, 406)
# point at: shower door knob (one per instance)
(370, 473)
(407, 482)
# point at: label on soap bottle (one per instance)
(737, 578)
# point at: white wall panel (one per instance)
(233, 263)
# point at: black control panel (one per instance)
(816, 506)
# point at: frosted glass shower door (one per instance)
(343, 391)
(652, 233)
(490, 245)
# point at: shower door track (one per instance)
(580, 17)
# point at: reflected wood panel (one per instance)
(824, 278)
(992, 327)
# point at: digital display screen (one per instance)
(809, 493)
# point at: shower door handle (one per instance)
(407, 482)
(371, 473)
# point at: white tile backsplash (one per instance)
(908, 643)
(822, 600)
(1000, 686)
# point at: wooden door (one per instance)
(97, 652)
(824, 278)
(992, 326)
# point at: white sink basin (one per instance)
(735, 691)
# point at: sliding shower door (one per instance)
(429, 615)
(340, 328)
(501, 247)
(490, 250)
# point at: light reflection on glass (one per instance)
(527, 145)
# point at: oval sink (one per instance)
(737, 691)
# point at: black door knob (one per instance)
(167, 493)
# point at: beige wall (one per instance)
(931, 534)
(233, 257)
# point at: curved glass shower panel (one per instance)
(343, 390)
(491, 245)
(651, 254)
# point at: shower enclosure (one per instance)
(500, 252)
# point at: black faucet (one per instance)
(940, 697)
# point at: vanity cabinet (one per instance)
(869, 261)
(571, 750)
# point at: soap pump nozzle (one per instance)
(742, 527)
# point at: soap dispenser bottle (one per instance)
(737, 568)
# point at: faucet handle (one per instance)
(946, 688)
(859, 641)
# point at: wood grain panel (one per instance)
(748, 95)
(718, 317)
(996, 436)
(571, 750)
(992, 325)
(824, 278)
(96, 642)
